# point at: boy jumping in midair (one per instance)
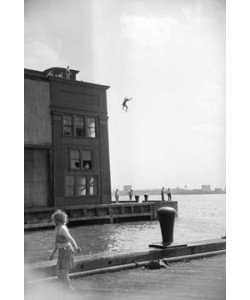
(124, 103)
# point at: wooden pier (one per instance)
(39, 218)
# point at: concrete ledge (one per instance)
(44, 270)
(141, 264)
(129, 266)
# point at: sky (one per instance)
(169, 56)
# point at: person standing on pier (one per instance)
(169, 195)
(130, 194)
(65, 245)
(162, 194)
(116, 195)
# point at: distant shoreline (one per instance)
(173, 192)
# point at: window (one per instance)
(75, 160)
(90, 130)
(82, 186)
(67, 125)
(80, 160)
(93, 185)
(79, 126)
(86, 160)
(69, 185)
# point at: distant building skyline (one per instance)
(203, 187)
(206, 187)
(127, 188)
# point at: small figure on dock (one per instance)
(169, 194)
(68, 73)
(130, 194)
(124, 103)
(116, 195)
(162, 194)
(65, 245)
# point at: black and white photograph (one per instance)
(125, 131)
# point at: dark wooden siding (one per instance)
(36, 178)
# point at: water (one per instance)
(201, 217)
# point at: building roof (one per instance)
(59, 74)
(34, 73)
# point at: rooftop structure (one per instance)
(61, 73)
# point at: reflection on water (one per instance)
(200, 217)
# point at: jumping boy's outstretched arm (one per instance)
(65, 232)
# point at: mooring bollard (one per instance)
(137, 198)
(166, 217)
(146, 198)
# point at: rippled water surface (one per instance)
(200, 217)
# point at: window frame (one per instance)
(94, 185)
(68, 126)
(75, 126)
(73, 159)
(91, 160)
(76, 181)
(81, 169)
(86, 129)
(78, 185)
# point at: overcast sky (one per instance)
(169, 55)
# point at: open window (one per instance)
(75, 162)
(86, 160)
(80, 160)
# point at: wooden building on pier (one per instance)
(66, 155)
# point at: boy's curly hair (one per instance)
(59, 216)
